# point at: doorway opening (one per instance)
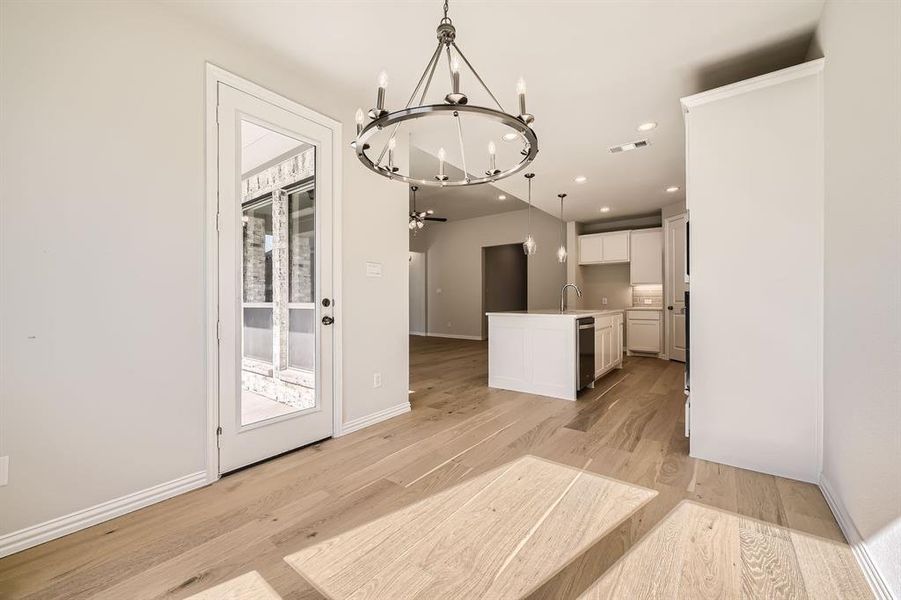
(418, 305)
(505, 280)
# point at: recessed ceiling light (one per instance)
(501, 197)
(672, 188)
(605, 209)
(647, 126)
(581, 179)
(509, 137)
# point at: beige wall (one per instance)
(454, 255)
(862, 339)
(102, 187)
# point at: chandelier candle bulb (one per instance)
(359, 119)
(521, 93)
(379, 110)
(492, 159)
(441, 156)
(455, 76)
(392, 144)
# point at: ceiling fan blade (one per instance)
(441, 219)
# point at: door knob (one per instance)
(669, 308)
(327, 320)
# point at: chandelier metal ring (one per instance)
(415, 112)
(456, 104)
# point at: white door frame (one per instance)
(214, 76)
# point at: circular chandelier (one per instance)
(455, 105)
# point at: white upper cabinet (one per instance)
(646, 265)
(616, 246)
(590, 249)
(610, 247)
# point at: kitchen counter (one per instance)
(537, 351)
(550, 312)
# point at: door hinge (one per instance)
(218, 219)
(219, 338)
(218, 435)
(218, 107)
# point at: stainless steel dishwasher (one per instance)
(585, 350)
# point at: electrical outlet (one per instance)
(450, 323)
(376, 380)
(604, 300)
(4, 470)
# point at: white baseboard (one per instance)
(56, 528)
(858, 546)
(454, 336)
(376, 417)
(417, 333)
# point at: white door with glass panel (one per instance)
(275, 279)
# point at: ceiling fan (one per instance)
(417, 218)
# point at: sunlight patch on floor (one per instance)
(249, 586)
(499, 535)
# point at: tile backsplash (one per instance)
(647, 295)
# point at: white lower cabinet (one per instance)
(608, 344)
(644, 331)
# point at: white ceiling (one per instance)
(595, 70)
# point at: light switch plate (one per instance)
(4, 470)
(373, 269)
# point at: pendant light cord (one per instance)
(530, 206)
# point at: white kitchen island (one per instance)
(536, 351)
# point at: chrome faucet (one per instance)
(563, 295)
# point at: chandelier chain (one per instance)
(445, 12)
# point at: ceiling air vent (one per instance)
(630, 146)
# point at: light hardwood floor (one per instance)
(628, 428)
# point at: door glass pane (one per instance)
(278, 361)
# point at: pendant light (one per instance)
(529, 246)
(561, 251)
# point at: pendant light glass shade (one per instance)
(561, 254)
(530, 247)
(561, 251)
